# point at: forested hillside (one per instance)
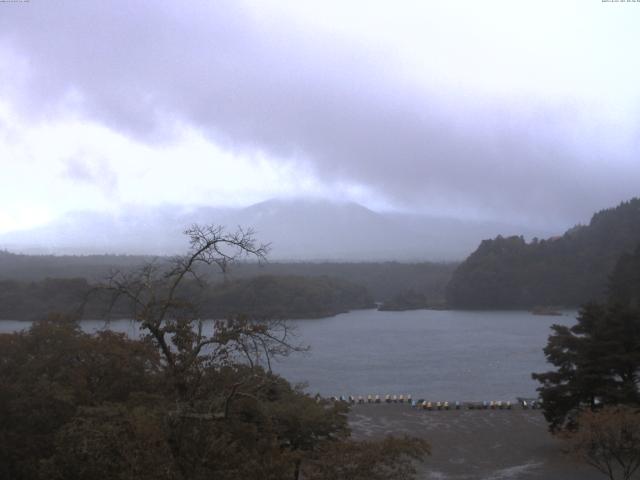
(562, 271)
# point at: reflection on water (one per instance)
(452, 355)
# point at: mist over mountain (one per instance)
(300, 229)
(154, 231)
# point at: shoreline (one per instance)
(474, 444)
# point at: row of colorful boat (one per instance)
(525, 403)
(374, 399)
(492, 405)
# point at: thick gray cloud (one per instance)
(96, 172)
(252, 85)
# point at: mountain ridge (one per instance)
(306, 229)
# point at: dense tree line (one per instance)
(383, 280)
(265, 296)
(32, 300)
(565, 271)
(33, 268)
(287, 296)
(407, 300)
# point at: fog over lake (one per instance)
(441, 355)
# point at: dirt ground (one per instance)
(475, 444)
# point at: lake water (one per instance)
(440, 355)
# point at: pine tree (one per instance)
(597, 360)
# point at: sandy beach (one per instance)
(475, 444)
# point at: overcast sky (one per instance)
(513, 110)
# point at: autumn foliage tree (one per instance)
(189, 400)
(609, 440)
(51, 375)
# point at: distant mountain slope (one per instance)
(297, 230)
(153, 231)
(508, 272)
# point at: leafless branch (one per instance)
(155, 295)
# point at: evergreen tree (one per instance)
(598, 359)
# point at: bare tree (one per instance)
(608, 440)
(161, 299)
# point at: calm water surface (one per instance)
(453, 355)
(447, 355)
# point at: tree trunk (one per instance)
(296, 471)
